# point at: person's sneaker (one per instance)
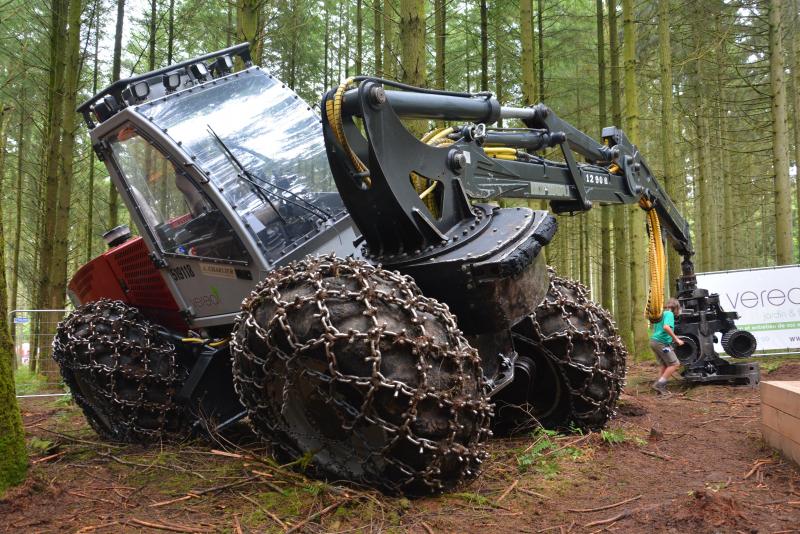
(661, 389)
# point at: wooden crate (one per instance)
(780, 416)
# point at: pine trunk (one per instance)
(528, 60)
(389, 63)
(796, 102)
(21, 147)
(359, 37)
(377, 15)
(671, 180)
(484, 46)
(540, 24)
(249, 27)
(113, 196)
(636, 216)
(412, 42)
(780, 138)
(13, 456)
(606, 230)
(440, 18)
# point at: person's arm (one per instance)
(668, 330)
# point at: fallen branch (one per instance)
(198, 493)
(47, 458)
(267, 512)
(427, 528)
(654, 455)
(614, 519)
(758, 464)
(533, 493)
(148, 466)
(78, 440)
(507, 491)
(92, 528)
(607, 507)
(317, 515)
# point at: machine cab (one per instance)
(225, 176)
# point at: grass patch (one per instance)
(617, 436)
(544, 455)
(27, 382)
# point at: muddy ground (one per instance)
(693, 462)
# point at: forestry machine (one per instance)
(306, 272)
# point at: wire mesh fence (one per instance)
(36, 372)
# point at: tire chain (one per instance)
(132, 370)
(280, 360)
(569, 298)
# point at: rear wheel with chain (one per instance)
(351, 368)
(571, 364)
(123, 373)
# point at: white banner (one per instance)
(767, 300)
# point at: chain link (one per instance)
(122, 372)
(581, 339)
(350, 363)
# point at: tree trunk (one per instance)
(440, 16)
(113, 196)
(389, 63)
(13, 456)
(484, 46)
(780, 138)
(249, 27)
(90, 199)
(528, 60)
(18, 213)
(638, 247)
(613, 48)
(412, 41)
(498, 58)
(151, 43)
(377, 15)
(539, 23)
(606, 272)
(796, 115)
(60, 235)
(52, 168)
(359, 37)
(326, 74)
(667, 153)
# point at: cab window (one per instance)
(179, 216)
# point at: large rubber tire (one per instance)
(122, 372)
(739, 343)
(572, 364)
(688, 352)
(351, 368)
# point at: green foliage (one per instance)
(616, 436)
(544, 454)
(27, 382)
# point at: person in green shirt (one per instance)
(661, 343)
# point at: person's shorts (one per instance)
(664, 353)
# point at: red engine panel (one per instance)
(127, 273)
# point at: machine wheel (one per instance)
(122, 372)
(350, 367)
(689, 351)
(571, 364)
(739, 343)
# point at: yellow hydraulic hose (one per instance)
(657, 263)
(333, 110)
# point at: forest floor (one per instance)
(692, 462)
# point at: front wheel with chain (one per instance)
(123, 373)
(350, 369)
(571, 364)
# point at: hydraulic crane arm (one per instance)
(614, 172)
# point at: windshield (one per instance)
(182, 220)
(262, 146)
